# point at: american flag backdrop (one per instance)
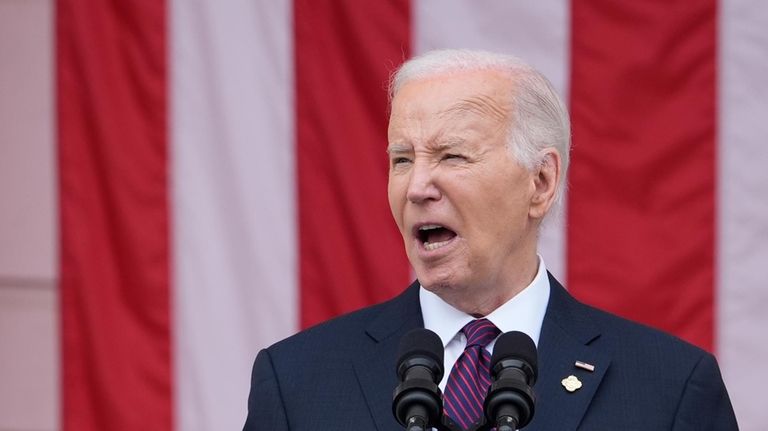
(222, 181)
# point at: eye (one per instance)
(454, 157)
(400, 161)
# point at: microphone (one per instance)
(417, 401)
(510, 400)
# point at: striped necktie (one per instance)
(470, 377)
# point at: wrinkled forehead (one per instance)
(480, 92)
(476, 103)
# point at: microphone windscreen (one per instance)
(515, 345)
(421, 342)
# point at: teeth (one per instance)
(435, 245)
(430, 226)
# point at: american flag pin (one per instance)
(585, 366)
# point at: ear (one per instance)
(546, 180)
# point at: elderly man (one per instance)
(478, 149)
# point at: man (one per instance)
(478, 149)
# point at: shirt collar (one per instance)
(524, 312)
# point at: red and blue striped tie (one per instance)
(470, 377)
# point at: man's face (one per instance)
(459, 198)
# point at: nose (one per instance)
(421, 184)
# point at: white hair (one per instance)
(539, 118)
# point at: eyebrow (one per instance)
(399, 148)
(448, 144)
(437, 147)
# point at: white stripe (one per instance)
(233, 214)
(537, 32)
(743, 208)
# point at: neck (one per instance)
(482, 300)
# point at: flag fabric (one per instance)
(222, 181)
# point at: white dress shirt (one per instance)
(524, 313)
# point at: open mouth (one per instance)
(434, 236)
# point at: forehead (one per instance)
(480, 92)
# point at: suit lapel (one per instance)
(566, 337)
(375, 368)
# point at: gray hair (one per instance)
(539, 117)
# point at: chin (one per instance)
(452, 292)
(437, 282)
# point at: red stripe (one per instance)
(351, 254)
(453, 412)
(484, 364)
(481, 339)
(111, 92)
(483, 383)
(461, 403)
(463, 387)
(641, 202)
(448, 408)
(465, 375)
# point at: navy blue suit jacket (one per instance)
(340, 375)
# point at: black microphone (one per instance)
(510, 400)
(417, 401)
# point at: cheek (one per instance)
(502, 207)
(395, 197)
